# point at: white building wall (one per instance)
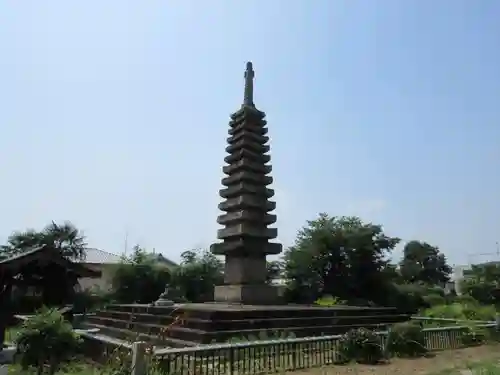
(458, 276)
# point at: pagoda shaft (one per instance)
(246, 233)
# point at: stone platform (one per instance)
(204, 323)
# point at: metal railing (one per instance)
(275, 356)
(448, 320)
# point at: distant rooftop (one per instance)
(97, 256)
(43, 253)
(161, 258)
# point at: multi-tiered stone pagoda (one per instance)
(245, 238)
(244, 304)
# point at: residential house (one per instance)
(106, 263)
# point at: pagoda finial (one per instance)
(248, 95)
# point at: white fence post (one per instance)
(138, 358)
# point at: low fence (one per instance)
(273, 356)
(426, 319)
(258, 357)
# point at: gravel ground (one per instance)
(422, 366)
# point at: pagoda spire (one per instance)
(247, 209)
(248, 94)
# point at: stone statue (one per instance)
(163, 299)
(170, 296)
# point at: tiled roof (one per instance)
(97, 256)
(16, 262)
(162, 259)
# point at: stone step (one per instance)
(186, 314)
(137, 317)
(155, 330)
(225, 336)
(131, 336)
(205, 323)
(236, 324)
(200, 336)
(145, 309)
(215, 311)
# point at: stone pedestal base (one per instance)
(205, 323)
(258, 294)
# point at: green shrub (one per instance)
(467, 300)
(433, 290)
(45, 341)
(406, 339)
(407, 298)
(329, 301)
(434, 300)
(473, 336)
(360, 345)
(89, 300)
(481, 290)
(462, 311)
(139, 279)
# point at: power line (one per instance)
(492, 254)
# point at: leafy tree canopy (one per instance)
(65, 238)
(483, 283)
(138, 278)
(54, 282)
(338, 256)
(197, 274)
(423, 262)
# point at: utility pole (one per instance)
(126, 242)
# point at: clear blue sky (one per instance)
(113, 115)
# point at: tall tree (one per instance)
(139, 279)
(392, 272)
(483, 283)
(197, 274)
(423, 262)
(55, 283)
(338, 256)
(65, 238)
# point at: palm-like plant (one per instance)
(65, 238)
(19, 242)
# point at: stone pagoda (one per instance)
(246, 233)
(245, 305)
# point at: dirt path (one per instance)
(421, 366)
